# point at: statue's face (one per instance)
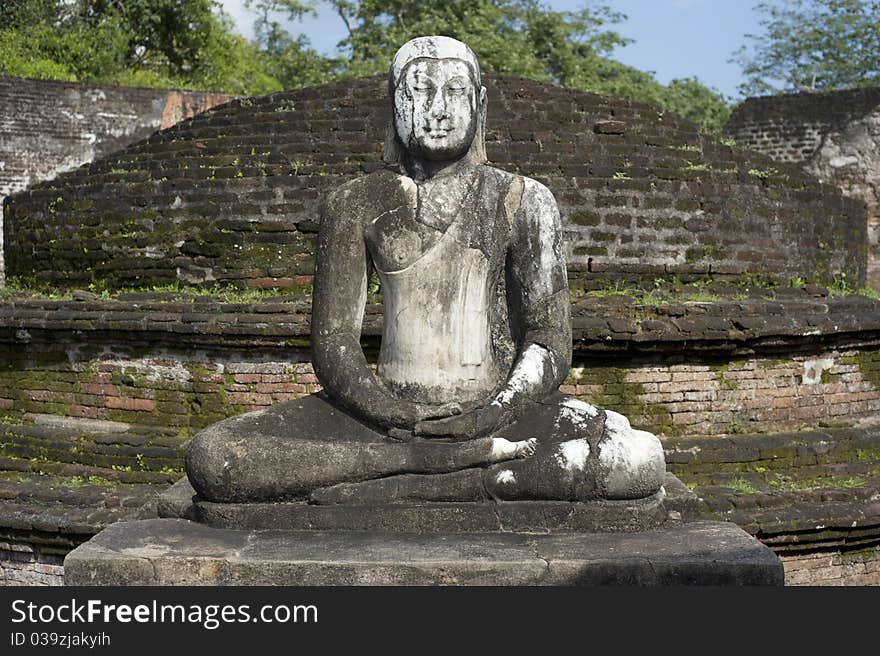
(436, 108)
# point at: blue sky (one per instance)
(672, 38)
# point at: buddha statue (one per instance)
(463, 402)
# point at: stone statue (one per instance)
(464, 402)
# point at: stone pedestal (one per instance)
(649, 542)
(181, 552)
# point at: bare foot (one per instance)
(503, 449)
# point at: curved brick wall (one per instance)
(232, 196)
(832, 135)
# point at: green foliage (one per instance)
(695, 101)
(810, 45)
(170, 43)
(151, 43)
(742, 486)
(522, 37)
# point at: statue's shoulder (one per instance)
(367, 195)
(519, 190)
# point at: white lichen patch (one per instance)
(505, 477)
(152, 370)
(576, 411)
(813, 370)
(632, 460)
(572, 456)
(540, 208)
(528, 373)
(616, 424)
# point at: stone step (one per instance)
(180, 552)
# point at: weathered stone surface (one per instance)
(55, 126)
(538, 516)
(323, 137)
(834, 136)
(178, 552)
(475, 343)
(676, 503)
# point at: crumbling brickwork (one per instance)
(834, 136)
(49, 127)
(23, 564)
(842, 568)
(233, 196)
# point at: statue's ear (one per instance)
(478, 147)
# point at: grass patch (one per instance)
(17, 288)
(786, 483)
(742, 486)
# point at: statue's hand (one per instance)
(475, 423)
(405, 415)
(436, 412)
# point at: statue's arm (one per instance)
(538, 300)
(338, 302)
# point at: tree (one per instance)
(521, 37)
(289, 60)
(192, 44)
(695, 101)
(153, 43)
(812, 45)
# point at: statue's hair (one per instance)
(434, 47)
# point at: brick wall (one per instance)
(49, 127)
(97, 397)
(833, 136)
(232, 196)
(23, 564)
(837, 568)
(790, 127)
(175, 391)
(750, 395)
(181, 365)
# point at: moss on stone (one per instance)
(625, 397)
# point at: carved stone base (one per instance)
(181, 552)
(518, 516)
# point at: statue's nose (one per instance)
(438, 106)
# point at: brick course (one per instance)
(232, 196)
(50, 126)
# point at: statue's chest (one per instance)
(448, 215)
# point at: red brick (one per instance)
(680, 387)
(248, 378)
(249, 398)
(90, 412)
(276, 378)
(692, 375)
(122, 403)
(5, 404)
(268, 283)
(279, 388)
(101, 389)
(648, 376)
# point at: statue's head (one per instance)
(438, 101)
